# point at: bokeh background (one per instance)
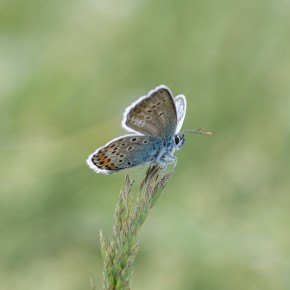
(68, 69)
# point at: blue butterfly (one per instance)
(155, 121)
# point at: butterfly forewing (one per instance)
(180, 105)
(153, 115)
(125, 152)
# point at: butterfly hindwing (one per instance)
(124, 152)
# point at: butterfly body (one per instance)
(155, 121)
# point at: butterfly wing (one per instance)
(180, 104)
(154, 114)
(124, 152)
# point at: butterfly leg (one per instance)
(174, 164)
(172, 160)
(168, 159)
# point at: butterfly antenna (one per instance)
(197, 131)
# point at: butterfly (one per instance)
(155, 121)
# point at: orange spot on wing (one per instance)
(102, 160)
(111, 165)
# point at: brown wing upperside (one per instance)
(154, 114)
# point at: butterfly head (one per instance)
(178, 140)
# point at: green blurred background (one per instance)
(68, 69)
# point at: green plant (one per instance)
(131, 211)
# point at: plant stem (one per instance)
(130, 213)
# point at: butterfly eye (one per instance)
(176, 139)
